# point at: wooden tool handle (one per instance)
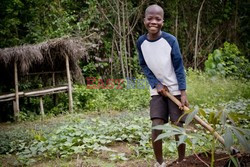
(197, 118)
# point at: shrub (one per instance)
(110, 99)
(227, 61)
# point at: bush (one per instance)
(228, 61)
(98, 99)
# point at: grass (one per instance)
(211, 91)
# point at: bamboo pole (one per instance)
(8, 99)
(10, 95)
(36, 93)
(46, 91)
(69, 85)
(48, 72)
(16, 108)
(41, 107)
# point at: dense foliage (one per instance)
(113, 26)
(119, 23)
(228, 61)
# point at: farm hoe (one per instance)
(202, 123)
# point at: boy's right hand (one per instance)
(161, 89)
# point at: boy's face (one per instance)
(153, 20)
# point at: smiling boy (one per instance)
(161, 62)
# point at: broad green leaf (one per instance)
(217, 55)
(190, 116)
(189, 142)
(228, 138)
(165, 135)
(246, 132)
(202, 112)
(211, 117)
(168, 127)
(184, 114)
(223, 117)
(236, 117)
(242, 139)
(160, 127)
(234, 160)
(178, 129)
(233, 117)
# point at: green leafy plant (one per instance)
(110, 99)
(117, 157)
(227, 61)
(220, 120)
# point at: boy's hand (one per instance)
(184, 101)
(161, 89)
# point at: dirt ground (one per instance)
(221, 160)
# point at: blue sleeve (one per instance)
(153, 81)
(178, 65)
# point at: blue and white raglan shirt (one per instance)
(161, 61)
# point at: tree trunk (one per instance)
(176, 20)
(120, 52)
(124, 35)
(196, 36)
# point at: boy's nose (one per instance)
(153, 21)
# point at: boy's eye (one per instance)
(152, 18)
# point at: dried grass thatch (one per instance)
(43, 57)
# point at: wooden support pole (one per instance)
(53, 79)
(54, 84)
(16, 108)
(69, 85)
(41, 106)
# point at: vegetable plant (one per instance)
(222, 121)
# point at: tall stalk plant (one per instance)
(222, 121)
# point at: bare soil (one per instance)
(221, 160)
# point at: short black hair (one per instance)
(154, 6)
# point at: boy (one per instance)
(161, 62)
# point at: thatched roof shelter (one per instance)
(43, 59)
(46, 56)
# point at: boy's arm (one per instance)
(178, 65)
(179, 71)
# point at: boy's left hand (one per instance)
(184, 101)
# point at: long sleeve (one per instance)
(178, 65)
